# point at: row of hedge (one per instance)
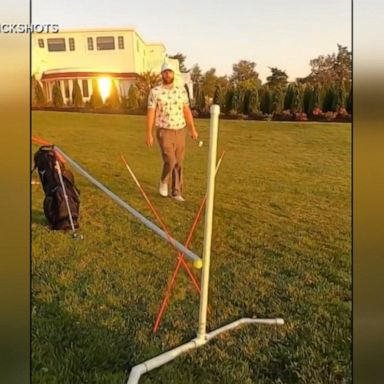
(283, 116)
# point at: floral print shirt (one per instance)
(169, 103)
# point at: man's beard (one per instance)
(167, 80)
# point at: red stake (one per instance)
(40, 141)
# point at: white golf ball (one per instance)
(200, 143)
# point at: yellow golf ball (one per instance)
(198, 264)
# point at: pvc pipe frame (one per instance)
(135, 213)
(202, 337)
(149, 365)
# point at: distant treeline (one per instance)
(325, 94)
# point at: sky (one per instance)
(217, 34)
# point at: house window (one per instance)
(105, 43)
(85, 88)
(120, 41)
(66, 88)
(90, 43)
(41, 43)
(56, 45)
(71, 42)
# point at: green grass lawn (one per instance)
(281, 248)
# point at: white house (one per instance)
(117, 54)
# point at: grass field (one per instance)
(281, 248)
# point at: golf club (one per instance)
(74, 233)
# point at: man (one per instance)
(169, 111)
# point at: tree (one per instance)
(228, 100)
(277, 100)
(326, 70)
(133, 97)
(223, 82)
(266, 100)
(330, 100)
(208, 82)
(308, 101)
(245, 97)
(322, 70)
(289, 96)
(145, 82)
(341, 94)
(196, 76)
(245, 76)
(218, 96)
(57, 97)
(253, 101)
(244, 70)
(201, 101)
(317, 99)
(349, 103)
(113, 100)
(343, 65)
(77, 97)
(95, 101)
(243, 100)
(236, 100)
(181, 58)
(297, 99)
(278, 78)
(38, 97)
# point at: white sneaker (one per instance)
(163, 189)
(178, 198)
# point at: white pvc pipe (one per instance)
(166, 357)
(138, 215)
(213, 132)
(245, 320)
(162, 359)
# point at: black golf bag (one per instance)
(57, 209)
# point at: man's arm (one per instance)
(190, 123)
(150, 124)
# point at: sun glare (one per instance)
(105, 87)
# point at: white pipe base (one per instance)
(138, 370)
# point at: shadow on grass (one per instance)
(81, 349)
(38, 217)
(87, 340)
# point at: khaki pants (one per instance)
(172, 146)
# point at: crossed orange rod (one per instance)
(180, 260)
